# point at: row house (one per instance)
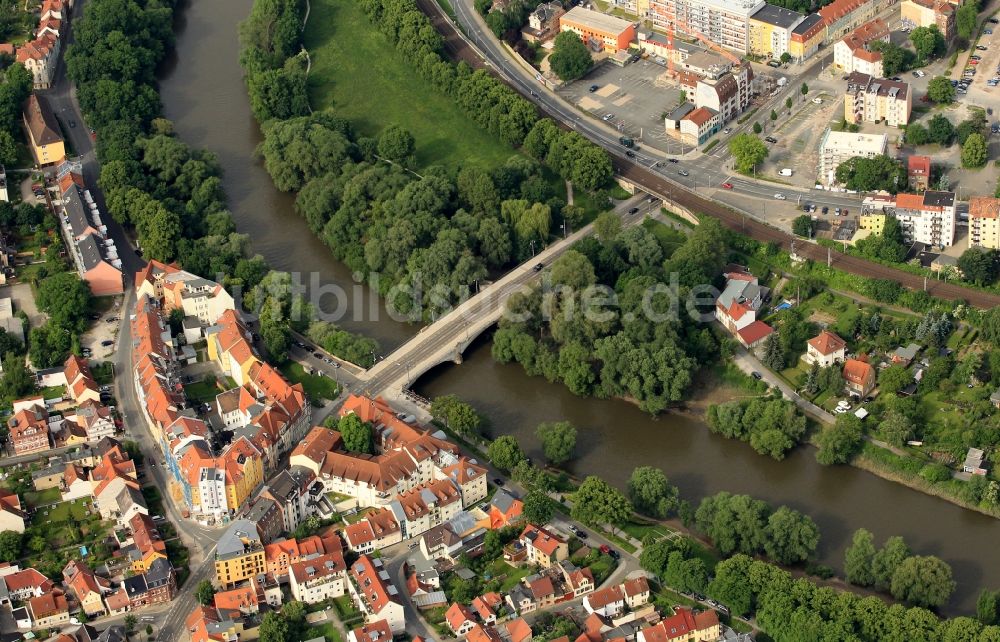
(925, 13)
(684, 626)
(146, 545)
(29, 427)
(177, 289)
(460, 619)
(854, 52)
(88, 588)
(155, 368)
(543, 547)
(239, 554)
(156, 586)
(841, 17)
(426, 506)
(377, 530)
(80, 382)
(49, 610)
(209, 624)
(279, 416)
(928, 218)
(93, 251)
(488, 607)
(377, 631)
(279, 556)
(238, 602)
(22, 585)
(290, 491)
(94, 419)
(318, 578)
(374, 593)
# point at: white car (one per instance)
(840, 410)
(607, 117)
(843, 404)
(727, 130)
(818, 101)
(779, 196)
(920, 74)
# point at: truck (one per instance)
(785, 171)
(627, 142)
(782, 81)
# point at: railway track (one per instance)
(458, 49)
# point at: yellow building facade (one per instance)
(873, 222)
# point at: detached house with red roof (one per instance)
(505, 509)
(460, 619)
(29, 428)
(918, 172)
(543, 547)
(377, 631)
(606, 602)
(50, 610)
(825, 349)
(859, 377)
(737, 306)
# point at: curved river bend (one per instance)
(203, 93)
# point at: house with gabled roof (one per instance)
(825, 349)
(543, 547)
(460, 619)
(12, 517)
(318, 577)
(859, 377)
(374, 593)
(88, 588)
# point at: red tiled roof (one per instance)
(917, 165)
(754, 332)
(377, 631)
(826, 343)
(541, 539)
(857, 371)
(457, 615)
(699, 116)
(984, 207)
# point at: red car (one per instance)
(728, 185)
(973, 62)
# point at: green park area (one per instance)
(317, 387)
(357, 71)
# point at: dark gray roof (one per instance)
(502, 500)
(939, 199)
(777, 16)
(114, 633)
(808, 23)
(680, 111)
(159, 573)
(135, 585)
(231, 542)
(90, 252)
(77, 212)
(283, 486)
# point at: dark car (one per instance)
(318, 355)
(634, 210)
(825, 209)
(756, 375)
(672, 160)
(630, 154)
(594, 88)
(497, 481)
(582, 534)
(107, 342)
(539, 267)
(72, 124)
(771, 139)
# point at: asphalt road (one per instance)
(652, 179)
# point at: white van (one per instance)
(786, 171)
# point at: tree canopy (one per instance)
(570, 58)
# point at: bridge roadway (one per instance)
(446, 339)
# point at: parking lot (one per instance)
(634, 95)
(979, 91)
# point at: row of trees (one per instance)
(275, 75)
(872, 174)
(921, 580)
(789, 609)
(771, 426)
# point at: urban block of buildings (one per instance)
(877, 100)
(41, 54)
(771, 31)
(924, 13)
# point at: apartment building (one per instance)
(610, 33)
(176, 289)
(239, 554)
(984, 222)
(844, 16)
(318, 578)
(837, 147)
(877, 100)
(770, 31)
(854, 53)
(47, 145)
(93, 252)
(924, 13)
(806, 37)
(374, 593)
(724, 22)
(927, 218)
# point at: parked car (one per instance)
(727, 130)
(318, 355)
(107, 342)
(498, 481)
(727, 185)
(771, 139)
(594, 88)
(607, 117)
(756, 375)
(817, 100)
(683, 172)
(825, 209)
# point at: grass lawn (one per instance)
(54, 392)
(640, 530)
(669, 238)
(358, 72)
(42, 497)
(326, 631)
(512, 575)
(202, 391)
(316, 386)
(77, 509)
